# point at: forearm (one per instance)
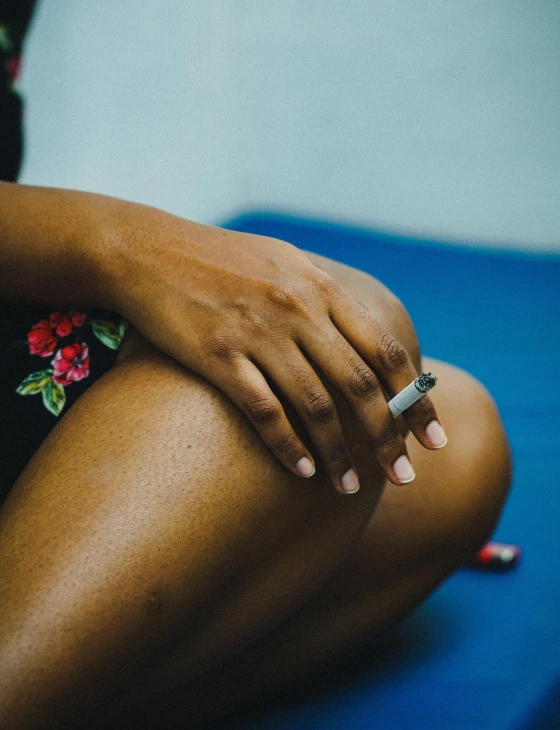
(53, 245)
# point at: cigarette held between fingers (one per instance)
(413, 392)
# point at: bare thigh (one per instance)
(417, 537)
(155, 535)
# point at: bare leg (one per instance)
(153, 537)
(416, 538)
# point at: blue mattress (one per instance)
(484, 650)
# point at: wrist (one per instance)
(100, 257)
(52, 246)
(131, 246)
(115, 254)
(112, 254)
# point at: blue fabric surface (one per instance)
(484, 650)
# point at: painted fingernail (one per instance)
(304, 467)
(350, 482)
(403, 470)
(436, 435)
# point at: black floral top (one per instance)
(50, 357)
(15, 16)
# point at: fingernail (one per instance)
(304, 467)
(350, 482)
(436, 435)
(403, 470)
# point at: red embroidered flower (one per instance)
(41, 339)
(14, 68)
(71, 363)
(78, 318)
(62, 322)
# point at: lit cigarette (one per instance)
(411, 393)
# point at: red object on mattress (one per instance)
(497, 556)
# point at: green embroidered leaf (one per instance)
(123, 326)
(54, 397)
(35, 383)
(6, 43)
(107, 332)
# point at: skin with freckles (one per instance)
(414, 540)
(174, 569)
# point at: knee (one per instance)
(387, 309)
(393, 316)
(479, 469)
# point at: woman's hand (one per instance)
(236, 307)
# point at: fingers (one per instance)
(298, 381)
(301, 386)
(359, 385)
(363, 337)
(365, 363)
(248, 389)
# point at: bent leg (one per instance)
(418, 535)
(151, 536)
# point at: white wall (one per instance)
(433, 117)
(133, 99)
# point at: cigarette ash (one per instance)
(425, 382)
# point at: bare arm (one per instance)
(232, 307)
(47, 242)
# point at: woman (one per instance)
(224, 511)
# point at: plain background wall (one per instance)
(429, 117)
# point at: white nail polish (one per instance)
(305, 468)
(403, 470)
(436, 435)
(350, 482)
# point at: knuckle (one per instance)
(221, 348)
(318, 405)
(338, 456)
(389, 439)
(286, 443)
(287, 298)
(424, 409)
(324, 284)
(363, 380)
(392, 353)
(263, 410)
(256, 321)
